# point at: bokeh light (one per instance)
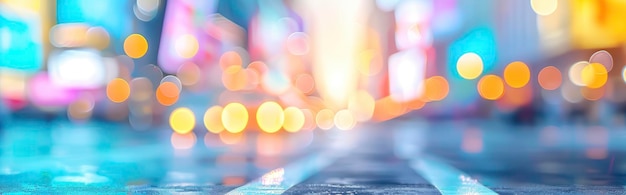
(234, 117)
(182, 120)
(135, 46)
(325, 119)
(173, 79)
(213, 119)
(472, 141)
(118, 90)
(550, 78)
(69, 35)
(305, 83)
(344, 120)
(186, 46)
(575, 73)
(270, 144)
(571, 93)
(603, 57)
(234, 78)
(469, 65)
(516, 74)
(82, 109)
(98, 37)
(230, 58)
(309, 120)
(294, 119)
(189, 74)
(146, 10)
(437, 88)
(624, 74)
(491, 87)
(592, 94)
(253, 79)
(297, 43)
(231, 138)
(148, 5)
(270, 117)
(544, 7)
(167, 93)
(151, 72)
(594, 75)
(183, 141)
(515, 98)
(258, 66)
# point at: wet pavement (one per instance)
(396, 157)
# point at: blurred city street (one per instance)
(312, 97)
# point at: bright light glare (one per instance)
(469, 66)
(81, 68)
(186, 46)
(544, 7)
(406, 75)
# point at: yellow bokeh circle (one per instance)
(469, 65)
(294, 119)
(213, 119)
(234, 117)
(182, 120)
(270, 117)
(594, 75)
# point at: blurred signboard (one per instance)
(598, 23)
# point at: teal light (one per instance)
(480, 41)
(20, 43)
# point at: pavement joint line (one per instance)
(446, 178)
(279, 180)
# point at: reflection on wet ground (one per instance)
(102, 157)
(548, 159)
(398, 157)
